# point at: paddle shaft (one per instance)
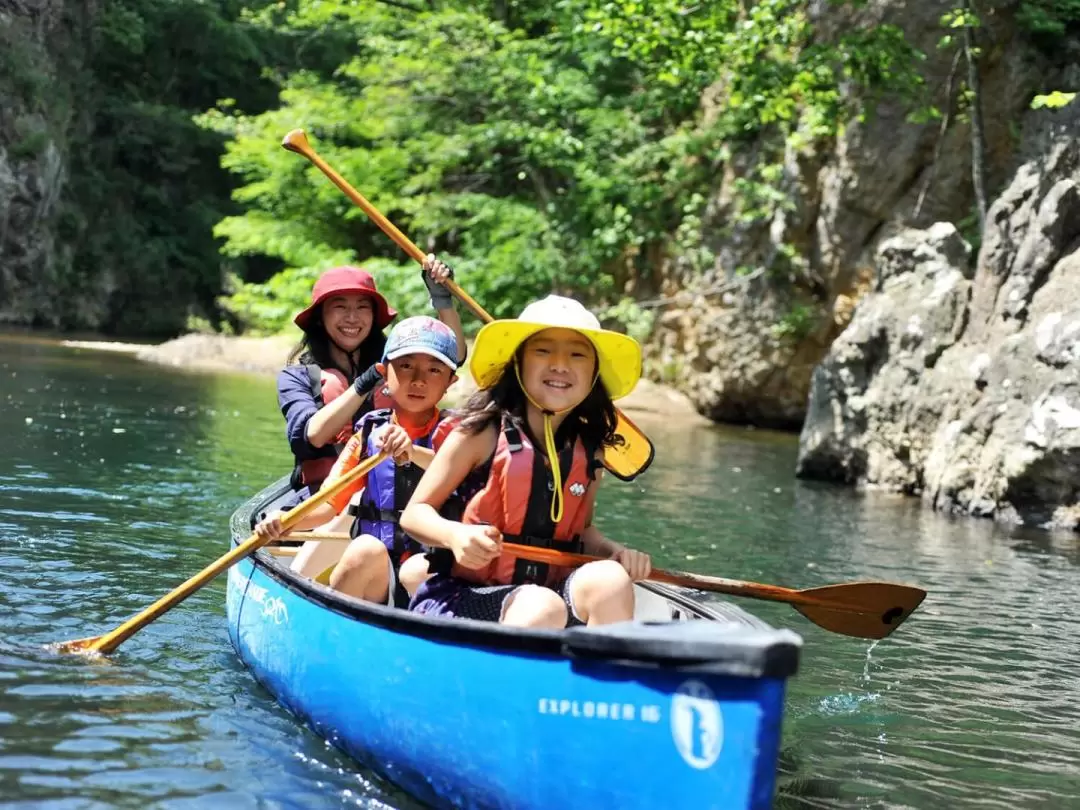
(296, 142)
(110, 641)
(732, 587)
(858, 609)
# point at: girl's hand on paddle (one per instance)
(638, 564)
(436, 274)
(475, 546)
(270, 528)
(395, 440)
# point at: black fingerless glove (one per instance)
(441, 298)
(367, 381)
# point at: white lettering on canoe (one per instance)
(600, 710)
(697, 727)
(273, 607)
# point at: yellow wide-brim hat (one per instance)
(618, 356)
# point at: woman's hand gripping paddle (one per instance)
(633, 452)
(110, 641)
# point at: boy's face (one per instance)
(417, 381)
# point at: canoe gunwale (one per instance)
(720, 646)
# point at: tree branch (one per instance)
(945, 119)
(978, 141)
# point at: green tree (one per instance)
(539, 146)
(146, 188)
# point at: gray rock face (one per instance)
(961, 387)
(877, 178)
(33, 165)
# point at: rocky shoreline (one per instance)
(267, 355)
(958, 381)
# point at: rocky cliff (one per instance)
(960, 381)
(109, 191)
(33, 162)
(744, 348)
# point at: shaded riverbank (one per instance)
(266, 356)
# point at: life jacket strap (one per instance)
(403, 544)
(527, 572)
(368, 511)
(513, 436)
(440, 561)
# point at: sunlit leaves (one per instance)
(543, 146)
(1052, 101)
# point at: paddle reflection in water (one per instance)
(973, 701)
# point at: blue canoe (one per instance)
(681, 708)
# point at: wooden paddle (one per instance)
(860, 609)
(110, 641)
(633, 452)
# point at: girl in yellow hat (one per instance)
(525, 459)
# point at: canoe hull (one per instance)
(459, 715)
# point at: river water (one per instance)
(117, 482)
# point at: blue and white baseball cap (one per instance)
(422, 335)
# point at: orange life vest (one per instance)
(328, 384)
(516, 499)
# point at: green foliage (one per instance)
(971, 232)
(569, 145)
(543, 146)
(633, 319)
(800, 322)
(1048, 18)
(23, 69)
(1053, 100)
(145, 171)
(111, 90)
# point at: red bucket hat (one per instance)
(345, 281)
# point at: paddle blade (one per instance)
(79, 645)
(860, 609)
(633, 452)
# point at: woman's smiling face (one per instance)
(558, 368)
(348, 319)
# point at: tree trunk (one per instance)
(978, 141)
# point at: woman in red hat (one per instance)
(330, 379)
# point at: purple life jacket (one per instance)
(389, 487)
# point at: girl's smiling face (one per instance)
(558, 368)
(348, 319)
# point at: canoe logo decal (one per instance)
(697, 726)
(274, 608)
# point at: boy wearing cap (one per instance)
(418, 364)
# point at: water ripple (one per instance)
(973, 702)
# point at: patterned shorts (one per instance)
(449, 596)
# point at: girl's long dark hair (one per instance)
(314, 348)
(593, 420)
